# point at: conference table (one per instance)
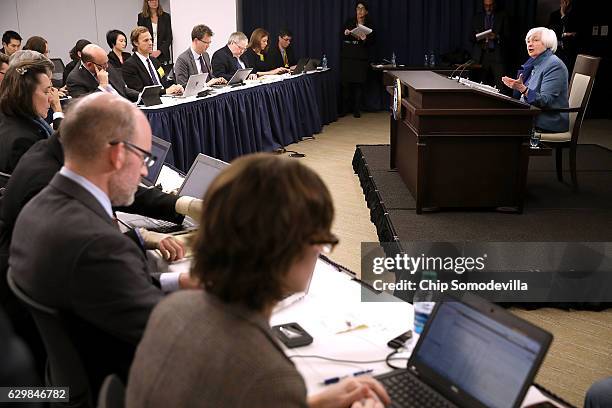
(261, 116)
(348, 321)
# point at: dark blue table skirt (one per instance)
(262, 118)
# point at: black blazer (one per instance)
(67, 253)
(68, 69)
(81, 82)
(254, 61)
(224, 63)
(137, 76)
(113, 60)
(275, 58)
(17, 135)
(500, 28)
(164, 34)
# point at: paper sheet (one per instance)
(361, 29)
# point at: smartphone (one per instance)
(400, 340)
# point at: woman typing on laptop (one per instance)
(215, 347)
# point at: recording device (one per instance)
(292, 335)
(400, 340)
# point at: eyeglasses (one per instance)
(147, 157)
(101, 66)
(288, 39)
(327, 245)
(205, 42)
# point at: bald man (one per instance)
(67, 251)
(93, 74)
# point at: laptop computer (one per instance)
(301, 65)
(159, 149)
(237, 79)
(202, 172)
(471, 353)
(195, 85)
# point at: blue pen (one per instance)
(334, 380)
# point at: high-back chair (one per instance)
(64, 365)
(581, 86)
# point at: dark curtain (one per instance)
(408, 28)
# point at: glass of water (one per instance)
(535, 139)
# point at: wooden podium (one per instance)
(459, 147)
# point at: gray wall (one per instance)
(63, 22)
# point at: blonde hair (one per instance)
(256, 37)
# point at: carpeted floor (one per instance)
(581, 352)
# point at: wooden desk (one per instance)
(458, 147)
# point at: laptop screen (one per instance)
(202, 172)
(478, 355)
(159, 149)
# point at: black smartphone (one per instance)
(400, 340)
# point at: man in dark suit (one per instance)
(67, 251)
(195, 59)
(141, 69)
(11, 42)
(227, 60)
(488, 51)
(93, 74)
(282, 54)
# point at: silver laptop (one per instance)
(202, 172)
(237, 79)
(195, 85)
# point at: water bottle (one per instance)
(324, 62)
(423, 303)
(432, 59)
(426, 60)
(393, 62)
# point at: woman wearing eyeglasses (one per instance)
(264, 222)
(355, 56)
(26, 94)
(159, 24)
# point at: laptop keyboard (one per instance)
(166, 227)
(406, 390)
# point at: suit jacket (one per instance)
(136, 75)
(164, 34)
(275, 58)
(254, 61)
(500, 28)
(113, 60)
(185, 66)
(17, 135)
(81, 82)
(204, 351)
(34, 172)
(68, 254)
(224, 63)
(548, 89)
(68, 69)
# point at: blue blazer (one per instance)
(548, 89)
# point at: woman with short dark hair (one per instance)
(264, 222)
(117, 41)
(159, 24)
(26, 94)
(75, 58)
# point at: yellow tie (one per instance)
(285, 58)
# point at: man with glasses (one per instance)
(94, 75)
(227, 60)
(67, 251)
(282, 55)
(195, 60)
(4, 61)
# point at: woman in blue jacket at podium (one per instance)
(542, 81)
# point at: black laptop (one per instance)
(471, 353)
(159, 149)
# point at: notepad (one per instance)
(361, 29)
(482, 35)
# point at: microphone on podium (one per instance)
(461, 67)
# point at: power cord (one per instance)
(335, 360)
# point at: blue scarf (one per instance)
(528, 66)
(41, 123)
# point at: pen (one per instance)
(334, 380)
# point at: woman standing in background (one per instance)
(564, 22)
(159, 25)
(355, 59)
